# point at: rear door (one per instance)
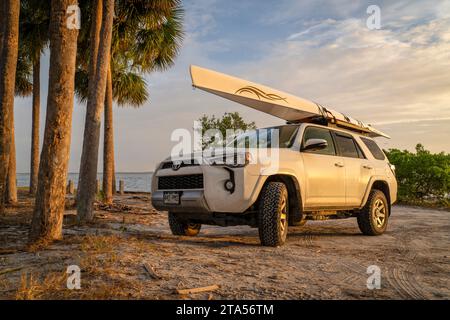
(358, 169)
(324, 172)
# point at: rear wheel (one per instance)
(373, 218)
(273, 214)
(181, 227)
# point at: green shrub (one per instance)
(421, 175)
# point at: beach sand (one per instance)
(322, 260)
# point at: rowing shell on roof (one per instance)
(274, 102)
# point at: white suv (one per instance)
(322, 172)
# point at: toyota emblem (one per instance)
(176, 166)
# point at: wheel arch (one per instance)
(294, 193)
(383, 186)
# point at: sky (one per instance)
(396, 78)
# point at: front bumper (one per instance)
(190, 201)
(213, 197)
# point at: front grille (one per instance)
(193, 181)
(168, 165)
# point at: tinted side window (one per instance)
(374, 149)
(319, 133)
(347, 146)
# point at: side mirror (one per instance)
(315, 144)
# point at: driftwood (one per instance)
(151, 271)
(8, 251)
(4, 271)
(198, 290)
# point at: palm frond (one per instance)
(34, 27)
(129, 88)
(147, 36)
(81, 84)
(156, 49)
(24, 75)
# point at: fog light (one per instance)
(229, 185)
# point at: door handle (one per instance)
(339, 164)
(367, 167)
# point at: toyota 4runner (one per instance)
(322, 172)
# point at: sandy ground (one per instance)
(321, 260)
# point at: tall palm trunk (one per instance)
(11, 182)
(96, 99)
(8, 63)
(96, 25)
(108, 143)
(35, 126)
(114, 187)
(2, 25)
(48, 212)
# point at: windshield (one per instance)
(266, 138)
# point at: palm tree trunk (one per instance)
(48, 212)
(8, 63)
(2, 25)
(35, 127)
(108, 143)
(11, 182)
(96, 25)
(114, 187)
(96, 99)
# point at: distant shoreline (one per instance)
(137, 172)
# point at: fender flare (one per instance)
(297, 206)
(369, 187)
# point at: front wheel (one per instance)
(182, 228)
(273, 214)
(373, 218)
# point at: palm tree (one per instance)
(146, 37)
(34, 24)
(23, 88)
(96, 98)
(51, 190)
(8, 64)
(125, 87)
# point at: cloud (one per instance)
(410, 121)
(375, 75)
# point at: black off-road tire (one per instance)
(366, 217)
(182, 228)
(269, 215)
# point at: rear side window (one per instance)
(348, 146)
(374, 149)
(319, 133)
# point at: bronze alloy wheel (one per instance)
(379, 213)
(373, 217)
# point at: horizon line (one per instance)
(121, 172)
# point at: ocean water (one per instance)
(139, 181)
